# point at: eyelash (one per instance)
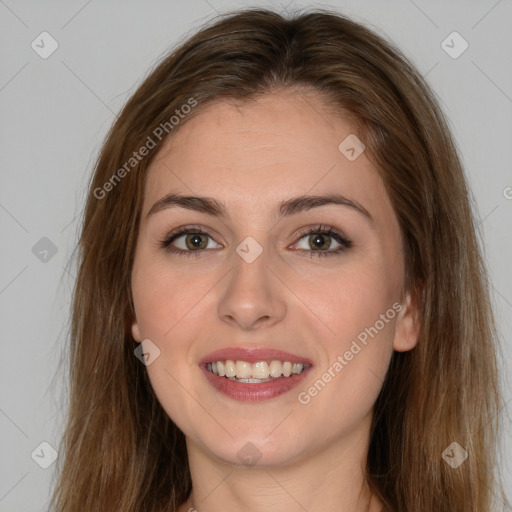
(344, 242)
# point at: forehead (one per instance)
(254, 154)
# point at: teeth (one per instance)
(243, 370)
(297, 368)
(275, 369)
(229, 368)
(261, 371)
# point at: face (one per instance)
(267, 275)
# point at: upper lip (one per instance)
(252, 355)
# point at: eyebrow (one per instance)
(286, 208)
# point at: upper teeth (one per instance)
(259, 370)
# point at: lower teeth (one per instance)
(252, 381)
(256, 381)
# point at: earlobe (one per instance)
(135, 326)
(136, 331)
(407, 326)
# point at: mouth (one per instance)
(254, 374)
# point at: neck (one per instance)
(330, 479)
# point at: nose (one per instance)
(253, 295)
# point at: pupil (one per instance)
(319, 240)
(196, 240)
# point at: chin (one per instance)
(258, 450)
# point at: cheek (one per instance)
(353, 369)
(162, 298)
(357, 307)
(169, 314)
(353, 298)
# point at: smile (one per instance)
(254, 373)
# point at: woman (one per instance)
(330, 344)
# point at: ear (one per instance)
(407, 325)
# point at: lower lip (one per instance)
(249, 392)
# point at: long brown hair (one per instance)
(120, 451)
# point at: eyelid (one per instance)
(189, 228)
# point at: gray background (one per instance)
(56, 111)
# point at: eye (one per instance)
(321, 241)
(194, 240)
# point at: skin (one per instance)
(251, 157)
